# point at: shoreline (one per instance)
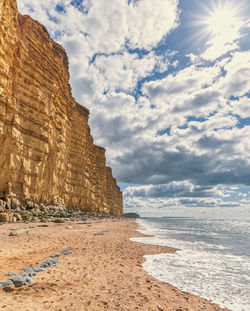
(103, 272)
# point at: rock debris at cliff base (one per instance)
(47, 154)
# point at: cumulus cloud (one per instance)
(234, 83)
(219, 164)
(240, 107)
(108, 27)
(209, 207)
(173, 189)
(122, 71)
(189, 92)
(150, 20)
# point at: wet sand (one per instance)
(103, 272)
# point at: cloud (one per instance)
(161, 17)
(122, 71)
(108, 27)
(208, 207)
(173, 189)
(240, 107)
(187, 92)
(234, 83)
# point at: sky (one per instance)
(167, 83)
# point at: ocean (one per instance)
(212, 261)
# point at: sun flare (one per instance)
(222, 20)
(220, 25)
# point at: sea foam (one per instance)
(201, 266)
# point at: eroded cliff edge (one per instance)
(47, 154)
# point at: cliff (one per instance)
(47, 154)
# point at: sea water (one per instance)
(212, 260)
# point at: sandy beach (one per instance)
(103, 272)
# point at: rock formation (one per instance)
(47, 155)
(131, 215)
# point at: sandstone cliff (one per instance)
(47, 155)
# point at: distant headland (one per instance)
(131, 215)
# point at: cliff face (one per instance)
(47, 154)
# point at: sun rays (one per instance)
(223, 19)
(220, 23)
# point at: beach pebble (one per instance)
(160, 307)
(6, 283)
(99, 233)
(59, 220)
(31, 271)
(20, 280)
(10, 274)
(54, 256)
(50, 263)
(65, 251)
(13, 233)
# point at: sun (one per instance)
(222, 20)
(219, 26)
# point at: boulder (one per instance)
(59, 220)
(6, 217)
(15, 203)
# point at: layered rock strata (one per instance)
(47, 154)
